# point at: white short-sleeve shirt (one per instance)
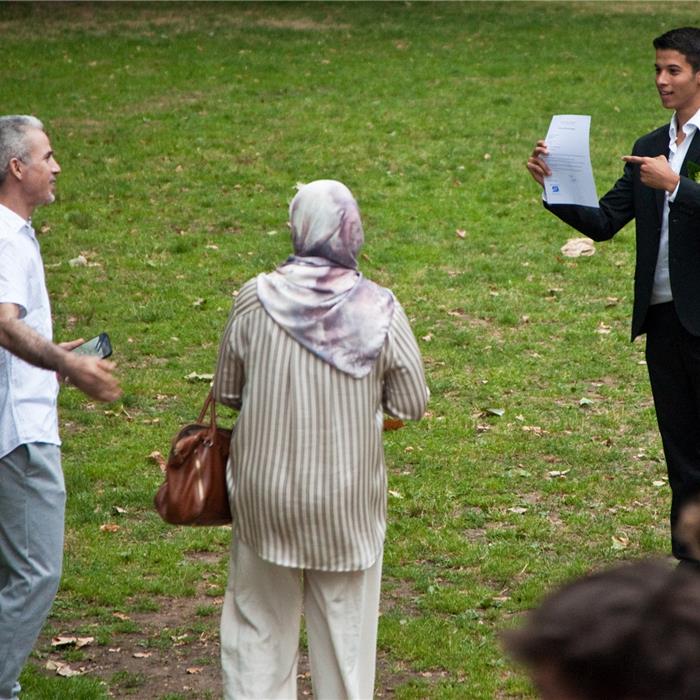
(27, 394)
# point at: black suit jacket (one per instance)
(630, 199)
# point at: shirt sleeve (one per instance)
(229, 378)
(405, 394)
(14, 274)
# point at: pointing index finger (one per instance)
(634, 159)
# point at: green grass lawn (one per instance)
(182, 130)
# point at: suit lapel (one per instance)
(660, 147)
(693, 153)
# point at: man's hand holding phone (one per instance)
(85, 368)
(99, 346)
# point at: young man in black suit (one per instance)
(658, 190)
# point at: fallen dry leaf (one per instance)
(142, 654)
(158, 458)
(110, 527)
(65, 641)
(620, 541)
(116, 414)
(194, 669)
(62, 641)
(62, 669)
(461, 233)
(199, 377)
(67, 672)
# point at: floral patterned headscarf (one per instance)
(317, 295)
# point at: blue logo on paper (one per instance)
(555, 188)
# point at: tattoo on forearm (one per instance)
(21, 340)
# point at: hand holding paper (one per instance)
(571, 177)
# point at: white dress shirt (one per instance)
(661, 291)
(27, 393)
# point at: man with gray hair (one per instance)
(32, 491)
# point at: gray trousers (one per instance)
(32, 507)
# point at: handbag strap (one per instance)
(209, 402)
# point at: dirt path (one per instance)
(172, 651)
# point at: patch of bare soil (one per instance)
(172, 651)
(175, 650)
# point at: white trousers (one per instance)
(260, 624)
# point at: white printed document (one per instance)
(571, 181)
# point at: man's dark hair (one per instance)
(685, 40)
(629, 632)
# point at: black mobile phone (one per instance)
(99, 345)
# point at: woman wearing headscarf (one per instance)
(312, 355)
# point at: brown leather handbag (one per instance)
(194, 491)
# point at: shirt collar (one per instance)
(689, 127)
(14, 222)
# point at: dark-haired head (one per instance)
(685, 40)
(630, 633)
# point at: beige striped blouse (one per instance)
(307, 480)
